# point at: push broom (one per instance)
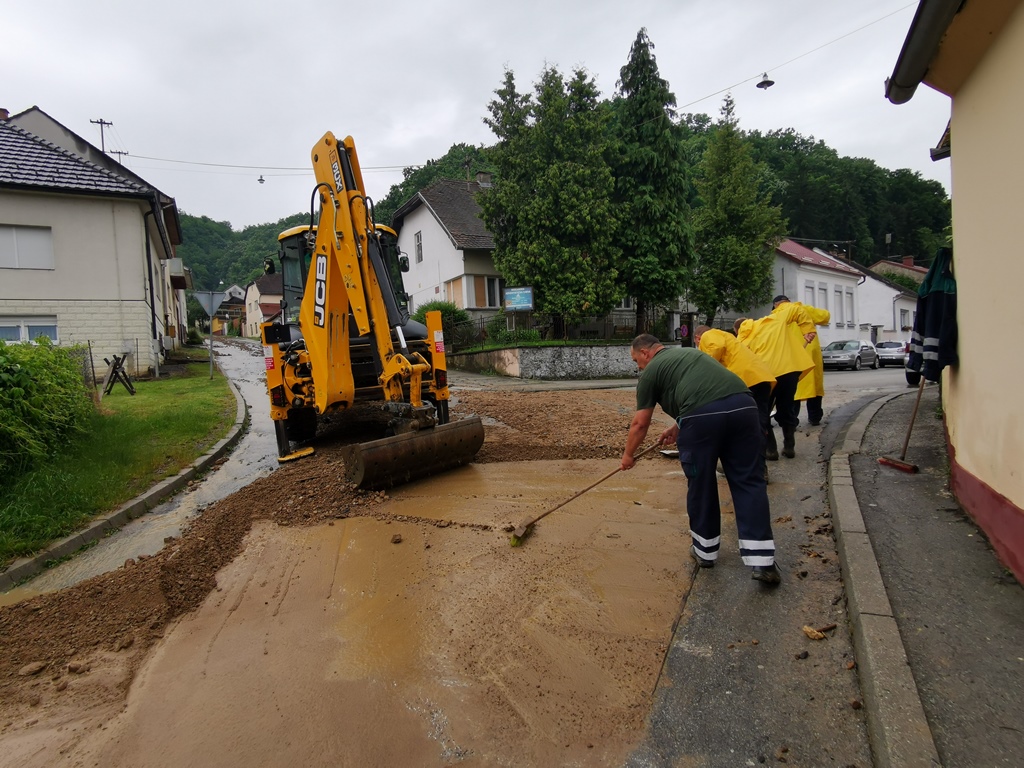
(524, 527)
(899, 463)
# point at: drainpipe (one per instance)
(152, 298)
(930, 23)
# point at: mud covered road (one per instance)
(301, 622)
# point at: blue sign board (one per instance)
(518, 299)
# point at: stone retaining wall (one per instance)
(569, 362)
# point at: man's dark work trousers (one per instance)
(727, 430)
(782, 399)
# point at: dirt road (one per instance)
(301, 622)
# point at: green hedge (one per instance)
(451, 315)
(44, 402)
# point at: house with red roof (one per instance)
(905, 266)
(820, 280)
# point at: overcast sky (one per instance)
(256, 84)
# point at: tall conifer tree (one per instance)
(651, 186)
(736, 227)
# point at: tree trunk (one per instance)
(558, 327)
(641, 325)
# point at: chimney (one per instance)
(908, 261)
(4, 114)
(483, 178)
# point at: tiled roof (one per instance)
(803, 255)
(270, 284)
(28, 162)
(454, 203)
(898, 266)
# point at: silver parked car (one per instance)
(891, 352)
(850, 354)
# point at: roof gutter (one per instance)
(930, 23)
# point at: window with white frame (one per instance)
(26, 247)
(838, 314)
(809, 294)
(418, 240)
(626, 303)
(822, 297)
(850, 320)
(904, 319)
(495, 291)
(21, 329)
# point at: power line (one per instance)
(269, 167)
(796, 58)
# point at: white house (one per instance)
(86, 252)
(819, 280)
(886, 309)
(262, 302)
(974, 53)
(450, 250)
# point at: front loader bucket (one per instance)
(399, 459)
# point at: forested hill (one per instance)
(215, 252)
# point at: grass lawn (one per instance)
(132, 443)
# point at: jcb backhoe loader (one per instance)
(344, 336)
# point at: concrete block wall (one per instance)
(113, 327)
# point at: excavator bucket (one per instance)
(399, 459)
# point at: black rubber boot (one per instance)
(789, 442)
(771, 448)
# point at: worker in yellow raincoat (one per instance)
(745, 363)
(780, 339)
(811, 388)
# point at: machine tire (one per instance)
(301, 425)
(874, 365)
(856, 365)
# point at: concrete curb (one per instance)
(897, 727)
(99, 527)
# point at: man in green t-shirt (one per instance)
(716, 420)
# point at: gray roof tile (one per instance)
(454, 203)
(28, 162)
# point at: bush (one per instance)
(451, 315)
(194, 337)
(498, 332)
(44, 403)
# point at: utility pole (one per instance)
(118, 152)
(101, 123)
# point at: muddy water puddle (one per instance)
(381, 641)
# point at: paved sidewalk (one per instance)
(938, 623)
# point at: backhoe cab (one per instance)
(344, 336)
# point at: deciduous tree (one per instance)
(550, 207)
